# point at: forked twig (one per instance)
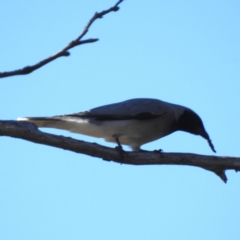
(64, 52)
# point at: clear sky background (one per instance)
(184, 52)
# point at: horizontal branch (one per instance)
(64, 52)
(30, 132)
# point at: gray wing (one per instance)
(140, 108)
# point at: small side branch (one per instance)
(30, 132)
(65, 51)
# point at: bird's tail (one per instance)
(71, 124)
(43, 121)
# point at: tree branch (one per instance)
(64, 52)
(30, 132)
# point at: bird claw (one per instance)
(158, 151)
(155, 151)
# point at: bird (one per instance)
(133, 122)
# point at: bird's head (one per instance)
(190, 122)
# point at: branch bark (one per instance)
(30, 132)
(64, 52)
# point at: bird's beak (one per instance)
(205, 135)
(211, 145)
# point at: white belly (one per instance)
(133, 133)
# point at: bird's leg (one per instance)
(119, 147)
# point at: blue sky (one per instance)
(184, 52)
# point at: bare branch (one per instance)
(115, 8)
(64, 52)
(30, 132)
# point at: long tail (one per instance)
(44, 122)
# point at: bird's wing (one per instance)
(140, 108)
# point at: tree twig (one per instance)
(30, 132)
(64, 52)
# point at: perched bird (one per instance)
(133, 122)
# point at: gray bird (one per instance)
(133, 122)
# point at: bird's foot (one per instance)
(158, 151)
(155, 151)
